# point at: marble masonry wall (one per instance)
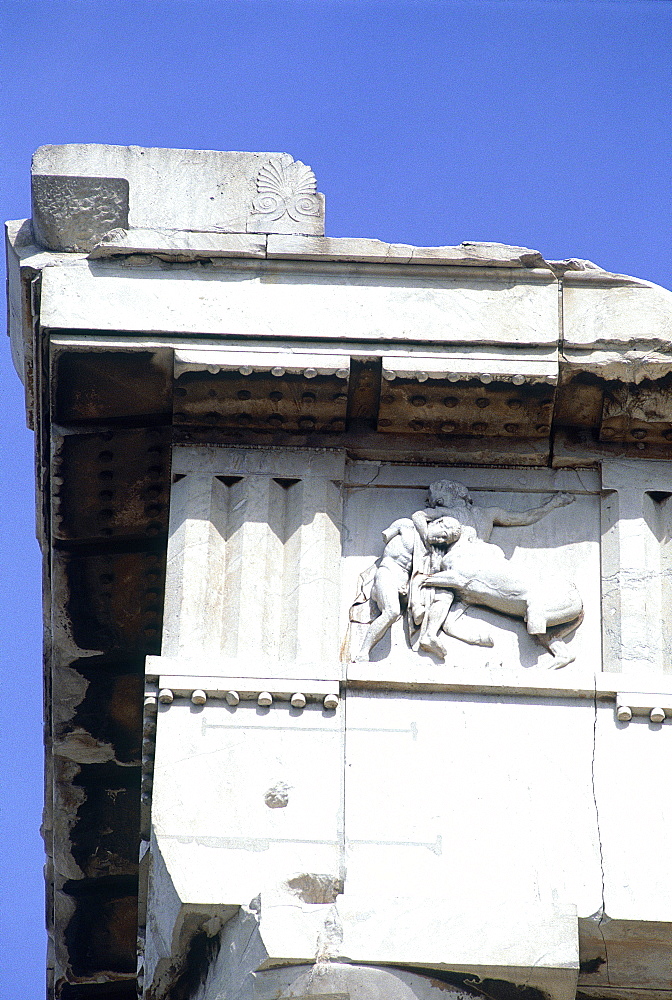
(380, 535)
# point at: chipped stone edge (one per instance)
(181, 246)
(184, 246)
(170, 244)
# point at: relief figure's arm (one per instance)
(421, 519)
(519, 518)
(394, 529)
(445, 579)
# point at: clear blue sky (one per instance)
(542, 123)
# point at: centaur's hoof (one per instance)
(483, 639)
(562, 661)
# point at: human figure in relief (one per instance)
(409, 557)
(479, 573)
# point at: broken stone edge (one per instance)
(192, 245)
(184, 246)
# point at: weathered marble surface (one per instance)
(72, 213)
(176, 244)
(247, 301)
(340, 980)
(430, 866)
(469, 253)
(611, 317)
(470, 809)
(294, 362)
(216, 842)
(630, 769)
(333, 980)
(254, 560)
(426, 871)
(621, 333)
(426, 771)
(231, 841)
(444, 757)
(637, 566)
(529, 365)
(566, 541)
(191, 189)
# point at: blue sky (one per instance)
(542, 123)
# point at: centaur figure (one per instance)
(479, 573)
(411, 556)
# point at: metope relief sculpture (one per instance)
(439, 562)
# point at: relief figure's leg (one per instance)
(536, 623)
(537, 626)
(466, 630)
(552, 641)
(441, 601)
(536, 617)
(550, 620)
(561, 654)
(385, 593)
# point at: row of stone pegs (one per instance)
(624, 714)
(232, 698)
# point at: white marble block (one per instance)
(408, 731)
(460, 813)
(246, 800)
(82, 191)
(253, 577)
(564, 544)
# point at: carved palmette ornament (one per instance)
(286, 189)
